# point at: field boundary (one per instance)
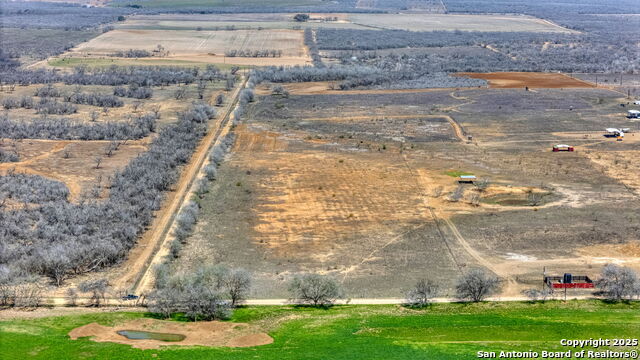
(189, 174)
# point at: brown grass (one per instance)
(78, 172)
(204, 46)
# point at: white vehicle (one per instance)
(633, 114)
(637, 102)
(617, 132)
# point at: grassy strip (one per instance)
(457, 173)
(444, 331)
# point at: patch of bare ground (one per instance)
(513, 80)
(203, 333)
(72, 162)
(203, 46)
(332, 87)
(623, 166)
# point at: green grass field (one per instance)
(444, 331)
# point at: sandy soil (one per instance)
(204, 333)
(513, 80)
(621, 165)
(78, 171)
(328, 87)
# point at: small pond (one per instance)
(147, 335)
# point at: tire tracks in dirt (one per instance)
(477, 256)
(139, 267)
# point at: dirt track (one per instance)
(138, 276)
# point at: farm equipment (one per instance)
(562, 147)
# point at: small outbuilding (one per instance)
(467, 179)
(562, 147)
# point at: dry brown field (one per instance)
(203, 46)
(76, 169)
(359, 185)
(515, 80)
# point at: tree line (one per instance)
(141, 76)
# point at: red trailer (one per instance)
(569, 281)
(562, 147)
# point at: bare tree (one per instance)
(475, 285)
(237, 283)
(97, 288)
(97, 160)
(482, 184)
(202, 87)
(94, 115)
(474, 199)
(72, 296)
(180, 93)
(136, 105)
(536, 294)
(28, 294)
(534, 198)
(315, 289)
(618, 283)
(155, 109)
(56, 264)
(457, 194)
(164, 302)
(422, 293)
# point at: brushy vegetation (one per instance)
(59, 239)
(66, 129)
(136, 76)
(37, 30)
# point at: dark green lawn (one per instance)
(445, 331)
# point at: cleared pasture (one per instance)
(449, 22)
(71, 162)
(515, 80)
(204, 46)
(360, 186)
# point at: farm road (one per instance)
(139, 266)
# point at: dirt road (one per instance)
(138, 275)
